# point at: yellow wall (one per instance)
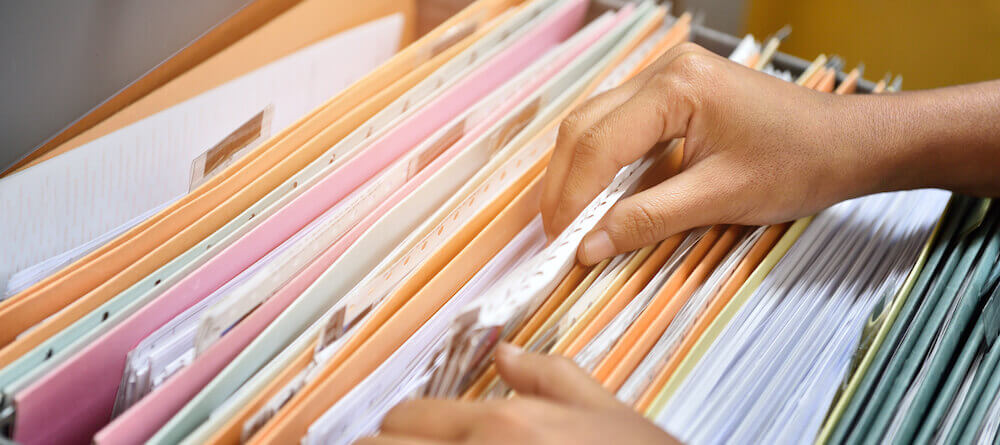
(931, 43)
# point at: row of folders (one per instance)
(285, 254)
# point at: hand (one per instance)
(758, 150)
(556, 403)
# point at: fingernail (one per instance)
(508, 351)
(596, 246)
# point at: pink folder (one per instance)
(81, 391)
(143, 420)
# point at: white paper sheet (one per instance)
(75, 197)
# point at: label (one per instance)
(232, 147)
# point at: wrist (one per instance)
(945, 138)
(883, 143)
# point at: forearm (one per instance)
(946, 138)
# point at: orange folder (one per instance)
(602, 299)
(827, 81)
(579, 276)
(632, 287)
(531, 336)
(819, 79)
(642, 335)
(139, 252)
(576, 281)
(850, 83)
(732, 284)
(656, 305)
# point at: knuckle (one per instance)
(680, 50)
(685, 75)
(687, 47)
(675, 84)
(571, 126)
(667, 80)
(589, 145)
(691, 63)
(681, 91)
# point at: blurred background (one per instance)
(61, 58)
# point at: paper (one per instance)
(235, 96)
(27, 277)
(103, 184)
(734, 391)
(281, 29)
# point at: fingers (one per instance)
(431, 419)
(693, 198)
(382, 439)
(550, 377)
(659, 111)
(617, 140)
(582, 119)
(569, 131)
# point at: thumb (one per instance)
(692, 198)
(552, 377)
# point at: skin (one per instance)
(758, 150)
(557, 403)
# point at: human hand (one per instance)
(757, 150)
(556, 403)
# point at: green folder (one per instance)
(919, 415)
(922, 334)
(855, 405)
(885, 327)
(984, 337)
(878, 410)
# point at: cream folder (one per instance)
(71, 199)
(300, 23)
(222, 35)
(124, 261)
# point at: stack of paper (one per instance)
(291, 250)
